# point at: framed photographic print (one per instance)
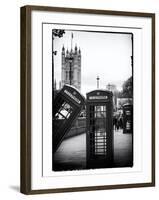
(87, 99)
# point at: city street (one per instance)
(72, 152)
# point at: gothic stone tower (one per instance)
(71, 68)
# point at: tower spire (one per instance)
(71, 40)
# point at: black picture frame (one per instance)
(26, 105)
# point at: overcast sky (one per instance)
(107, 55)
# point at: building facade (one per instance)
(71, 67)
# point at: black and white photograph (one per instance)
(92, 99)
(87, 90)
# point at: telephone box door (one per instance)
(99, 129)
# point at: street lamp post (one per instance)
(98, 82)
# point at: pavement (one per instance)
(123, 152)
(71, 155)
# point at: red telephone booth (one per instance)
(99, 126)
(66, 107)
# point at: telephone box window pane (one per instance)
(100, 134)
(66, 106)
(100, 152)
(128, 112)
(98, 140)
(66, 110)
(64, 113)
(59, 116)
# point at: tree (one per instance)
(127, 91)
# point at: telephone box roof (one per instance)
(101, 91)
(75, 89)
